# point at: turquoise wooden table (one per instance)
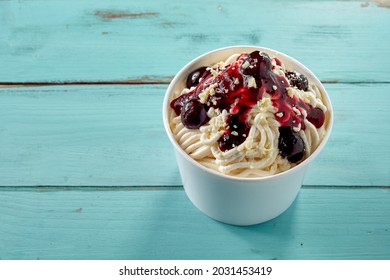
(87, 172)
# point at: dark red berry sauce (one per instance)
(235, 92)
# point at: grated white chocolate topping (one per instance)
(258, 155)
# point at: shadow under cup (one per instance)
(235, 200)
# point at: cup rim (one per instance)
(292, 60)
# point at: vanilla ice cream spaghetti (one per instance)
(258, 155)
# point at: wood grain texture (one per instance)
(108, 135)
(323, 223)
(95, 41)
(114, 136)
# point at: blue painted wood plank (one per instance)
(89, 41)
(114, 136)
(323, 223)
(108, 135)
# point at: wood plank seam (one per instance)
(47, 188)
(148, 82)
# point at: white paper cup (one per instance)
(235, 200)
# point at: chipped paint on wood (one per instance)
(110, 15)
(382, 3)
